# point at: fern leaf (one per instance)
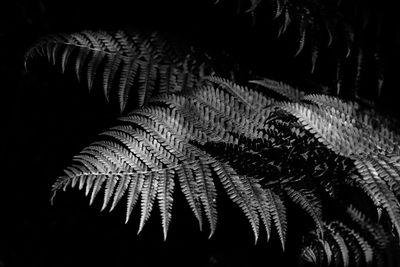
(350, 108)
(231, 87)
(147, 81)
(349, 37)
(388, 171)
(260, 201)
(308, 254)
(339, 76)
(281, 88)
(164, 195)
(355, 138)
(80, 60)
(138, 57)
(378, 188)
(279, 8)
(65, 58)
(148, 193)
(357, 242)
(238, 192)
(308, 203)
(128, 74)
(98, 182)
(135, 187)
(207, 193)
(341, 244)
(315, 51)
(302, 37)
(123, 184)
(93, 65)
(110, 69)
(109, 190)
(189, 188)
(278, 214)
(382, 241)
(286, 21)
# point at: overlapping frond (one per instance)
(309, 203)
(127, 65)
(349, 131)
(155, 145)
(283, 89)
(358, 242)
(341, 130)
(265, 153)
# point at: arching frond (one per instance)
(129, 64)
(155, 145)
(263, 152)
(309, 203)
(355, 243)
(285, 90)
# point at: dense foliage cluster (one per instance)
(268, 144)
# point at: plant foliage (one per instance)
(120, 61)
(313, 152)
(347, 38)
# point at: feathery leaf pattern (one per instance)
(123, 60)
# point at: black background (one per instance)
(49, 117)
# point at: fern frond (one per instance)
(341, 247)
(309, 203)
(281, 88)
(345, 134)
(189, 189)
(260, 150)
(378, 188)
(239, 192)
(155, 145)
(122, 60)
(384, 250)
(207, 193)
(350, 108)
(165, 190)
(360, 249)
(302, 34)
(134, 190)
(148, 194)
(278, 214)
